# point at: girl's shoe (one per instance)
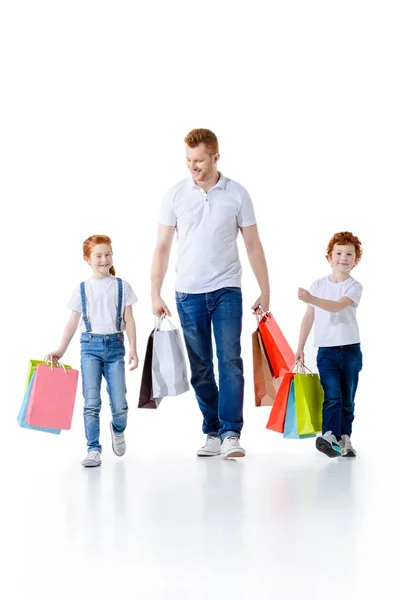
(346, 447)
(328, 444)
(117, 441)
(93, 459)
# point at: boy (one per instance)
(332, 303)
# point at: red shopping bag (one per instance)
(52, 399)
(280, 354)
(276, 421)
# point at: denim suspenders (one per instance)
(119, 308)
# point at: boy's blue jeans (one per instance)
(103, 355)
(338, 368)
(220, 311)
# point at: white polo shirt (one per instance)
(207, 227)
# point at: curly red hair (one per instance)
(202, 136)
(93, 241)
(345, 238)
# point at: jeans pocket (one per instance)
(181, 296)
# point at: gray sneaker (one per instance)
(93, 459)
(328, 444)
(346, 447)
(118, 442)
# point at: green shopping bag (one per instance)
(309, 399)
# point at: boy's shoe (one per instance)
(212, 447)
(328, 444)
(93, 459)
(346, 447)
(231, 448)
(118, 442)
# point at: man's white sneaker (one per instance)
(118, 442)
(212, 447)
(231, 448)
(93, 459)
(346, 447)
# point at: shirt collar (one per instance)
(220, 185)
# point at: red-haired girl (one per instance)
(105, 304)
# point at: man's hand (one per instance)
(305, 296)
(159, 307)
(261, 305)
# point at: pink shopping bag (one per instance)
(52, 398)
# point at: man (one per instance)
(207, 210)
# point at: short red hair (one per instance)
(95, 240)
(202, 136)
(345, 238)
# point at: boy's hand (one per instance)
(299, 356)
(159, 307)
(133, 358)
(304, 295)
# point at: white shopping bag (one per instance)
(168, 365)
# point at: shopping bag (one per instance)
(280, 354)
(32, 366)
(265, 385)
(146, 396)
(290, 429)
(168, 365)
(309, 399)
(278, 411)
(24, 407)
(52, 397)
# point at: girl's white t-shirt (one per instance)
(341, 328)
(102, 303)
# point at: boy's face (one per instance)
(101, 260)
(343, 258)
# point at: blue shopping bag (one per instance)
(24, 408)
(290, 430)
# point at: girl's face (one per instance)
(101, 260)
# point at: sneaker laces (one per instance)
(119, 439)
(234, 439)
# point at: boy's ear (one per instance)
(357, 261)
(329, 258)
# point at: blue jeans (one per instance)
(103, 355)
(338, 368)
(222, 310)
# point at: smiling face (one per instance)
(101, 260)
(343, 258)
(201, 163)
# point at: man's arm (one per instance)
(165, 236)
(255, 252)
(329, 305)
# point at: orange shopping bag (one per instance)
(276, 421)
(280, 354)
(265, 384)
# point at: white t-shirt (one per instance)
(207, 226)
(102, 303)
(341, 328)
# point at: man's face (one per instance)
(201, 164)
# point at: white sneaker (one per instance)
(118, 442)
(346, 447)
(328, 444)
(93, 459)
(212, 447)
(231, 448)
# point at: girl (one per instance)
(105, 303)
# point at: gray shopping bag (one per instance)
(168, 366)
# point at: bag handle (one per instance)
(158, 321)
(54, 363)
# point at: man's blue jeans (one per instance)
(338, 368)
(220, 311)
(103, 355)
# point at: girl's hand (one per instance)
(304, 295)
(56, 354)
(299, 356)
(133, 358)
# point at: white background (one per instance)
(96, 98)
